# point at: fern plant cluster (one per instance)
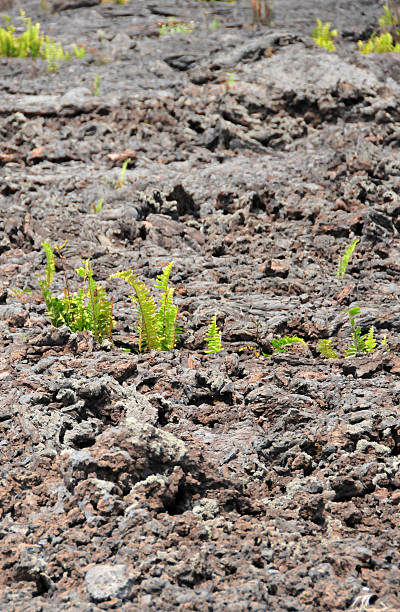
(87, 309)
(32, 43)
(323, 36)
(90, 309)
(361, 343)
(156, 324)
(386, 41)
(156, 314)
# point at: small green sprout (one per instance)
(79, 51)
(326, 350)
(361, 343)
(215, 24)
(213, 337)
(323, 36)
(121, 181)
(388, 18)
(17, 291)
(97, 207)
(345, 258)
(96, 85)
(230, 81)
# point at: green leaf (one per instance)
(281, 345)
(325, 348)
(345, 258)
(213, 337)
(146, 308)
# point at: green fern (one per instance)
(213, 337)
(383, 43)
(361, 343)
(50, 265)
(157, 328)
(370, 341)
(281, 345)
(326, 350)
(388, 18)
(345, 258)
(88, 309)
(32, 43)
(323, 36)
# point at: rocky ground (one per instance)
(179, 480)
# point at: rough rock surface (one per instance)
(179, 480)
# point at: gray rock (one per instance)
(105, 581)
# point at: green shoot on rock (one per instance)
(281, 345)
(121, 181)
(213, 337)
(323, 36)
(88, 309)
(97, 207)
(361, 343)
(326, 350)
(388, 18)
(96, 85)
(345, 258)
(156, 324)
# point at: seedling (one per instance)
(120, 183)
(213, 337)
(96, 85)
(362, 343)
(18, 291)
(323, 36)
(345, 258)
(175, 27)
(88, 309)
(156, 324)
(97, 207)
(79, 51)
(215, 24)
(326, 350)
(230, 81)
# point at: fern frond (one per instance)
(281, 345)
(369, 340)
(50, 264)
(326, 350)
(384, 343)
(167, 312)
(213, 337)
(345, 258)
(163, 278)
(166, 321)
(146, 307)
